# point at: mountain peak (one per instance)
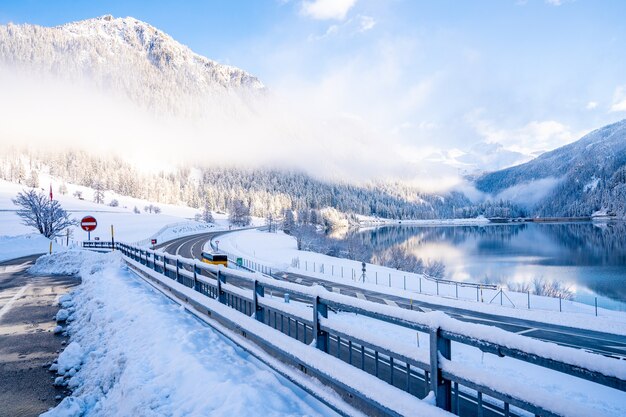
(128, 56)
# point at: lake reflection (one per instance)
(589, 257)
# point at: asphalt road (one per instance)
(602, 343)
(27, 307)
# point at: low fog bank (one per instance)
(272, 130)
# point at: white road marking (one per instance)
(532, 329)
(360, 296)
(391, 302)
(299, 280)
(337, 290)
(9, 304)
(9, 269)
(617, 347)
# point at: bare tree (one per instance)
(435, 268)
(44, 215)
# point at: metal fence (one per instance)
(456, 390)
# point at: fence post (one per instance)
(164, 265)
(390, 280)
(596, 306)
(259, 291)
(437, 282)
(441, 387)
(529, 299)
(321, 337)
(221, 296)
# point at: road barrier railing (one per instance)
(457, 388)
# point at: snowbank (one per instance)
(12, 247)
(134, 352)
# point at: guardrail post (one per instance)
(221, 296)
(164, 265)
(196, 272)
(177, 270)
(259, 291)
(321, 337)
(441, 387)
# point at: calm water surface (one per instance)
(588, 257)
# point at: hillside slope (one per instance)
(585, 176)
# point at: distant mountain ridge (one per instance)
(581, 178)
(128, 56)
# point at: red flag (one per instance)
(50, 191)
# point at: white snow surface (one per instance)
(12, 247)
(142, 355)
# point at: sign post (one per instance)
(154, 242)
(88, 224)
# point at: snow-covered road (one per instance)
(134, 353)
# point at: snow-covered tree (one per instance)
(36, 210)
(207, 215)
(98, 193)
(239, 214)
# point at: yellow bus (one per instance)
(215, 258)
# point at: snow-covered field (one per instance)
(18, 240)
(279, 251)
(133, 352)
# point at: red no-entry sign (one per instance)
(88, 223)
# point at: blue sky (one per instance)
(430, 76)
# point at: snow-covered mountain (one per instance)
(124, 56)
(575, 180)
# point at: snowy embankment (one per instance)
(279, 251)
(134, 352)
(367, 221)
(12, 247)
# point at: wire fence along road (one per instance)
(423, 284)
(457, 388)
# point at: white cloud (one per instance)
(554, 2)
(327, 9)
(366, 23)
(619, 99)
(533, 138)
(591, 105)
(350, 27)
